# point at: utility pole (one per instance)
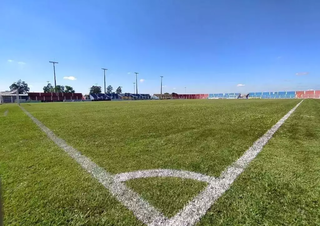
(134, 87)
(104, 80)
(136, 82)
(161, 85)
(54, 74)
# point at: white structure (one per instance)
(11, 97)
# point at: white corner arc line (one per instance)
(163, 173)
(195, 209)
(141, 209)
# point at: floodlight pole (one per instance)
(161, 85)
(134, 86)
(54, 74)
(136, 82)
(104, 81)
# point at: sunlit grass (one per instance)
(43, 186)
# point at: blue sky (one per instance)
(206, 46)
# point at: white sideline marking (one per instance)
(163, 173)
(5, 113)
(141, 209)
(195, 209)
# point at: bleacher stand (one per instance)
(55, 97)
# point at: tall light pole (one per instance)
(54, 74)
(161, 85)
(134, 86)
(104, 79)
(136, 82)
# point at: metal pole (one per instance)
(136, 82)
(134, 86)
(18, 100)
(54, 74)
(55, 78)
(161, 85)
(105, 81)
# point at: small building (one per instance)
(11, 97)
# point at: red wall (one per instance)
(55, 96)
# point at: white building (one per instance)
(11, 97)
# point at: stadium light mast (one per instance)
(54, 74)
(134, 86)
(104, 79)
(136, 82)
(161, 85)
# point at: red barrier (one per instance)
(300, 94)
(48, 97)
(309, 94)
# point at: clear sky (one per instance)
(207, 46)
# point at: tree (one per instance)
(109, 89)
(48, 88)
(119, 90)
(59, 89)
(95, 89)
(69, 89)
(21, 86)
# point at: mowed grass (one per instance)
(197, 135)
(202, 136)
(169, 195)
(42, 185)
(282, 185)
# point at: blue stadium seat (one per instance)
(291, 93)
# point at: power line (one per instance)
(54, 74)
(104, 79)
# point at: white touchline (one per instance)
(197, 207)
(145, 212)
(142, 209)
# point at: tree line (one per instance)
(97, 90)
(23, 88)
(59, 89)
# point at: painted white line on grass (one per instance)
(163, 173)
(5, 113)
(195, 209)
(141, 209)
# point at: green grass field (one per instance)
(42, 185)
